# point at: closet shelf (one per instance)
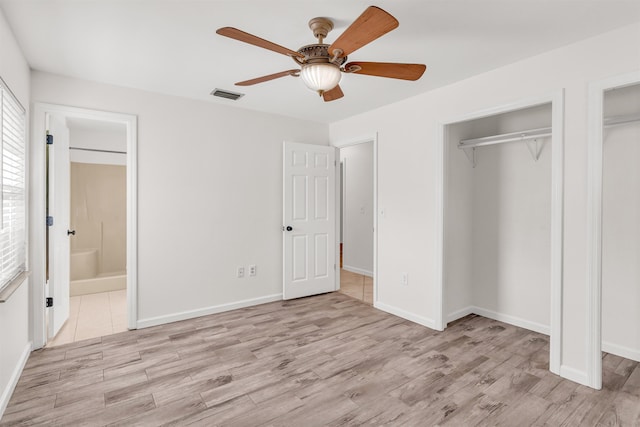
(530, 137)
(505, 137)
(621, 120)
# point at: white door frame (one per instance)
(594, 221)
(37, 214)
(556, 99)
(348, 143)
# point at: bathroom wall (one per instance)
(98, 213)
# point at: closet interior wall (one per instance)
(621, 226)
(498, 223)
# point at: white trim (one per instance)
(593, 319)
(132, 222)
(347, 143)
(501, 317)
(15, 376)
(37, 227)
(573, 374)
(556, 99)
(459, 314)
(622, 351)
(190, 314)
(442, 156)
(424, 321)
(557, 230)
(357, 270)
(512, 320)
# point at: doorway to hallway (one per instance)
(357, 217)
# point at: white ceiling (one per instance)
(170, 46)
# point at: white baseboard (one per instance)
(13, 380)
(459, 314)
(506, 318)
(574, 375)
(184, 315)
(357, 270)
(429, 323)
(620, 350)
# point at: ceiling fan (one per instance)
(322, 65)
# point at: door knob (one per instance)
(288, 228)
(71, 232)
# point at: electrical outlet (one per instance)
(240, 272)
(404, 279)
(252, 270)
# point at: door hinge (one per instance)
(48, 302)
(49, 221)
(334, 266)
(49, 139)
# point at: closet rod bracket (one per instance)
(534, 148)
(471, 155)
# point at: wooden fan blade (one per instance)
(387, 69)
(333, 94)
(240, 35)
(267, 78)
(373, 23)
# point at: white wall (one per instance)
(112, 140)
(209, 195)
(499, 221)
(407, 153)
(357, 237)
(458, 223)
(14, 314)
(621, 227)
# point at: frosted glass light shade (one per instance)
(320, 77)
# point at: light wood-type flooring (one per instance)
(328, 360)
(357, 286)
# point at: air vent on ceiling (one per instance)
(227, 94)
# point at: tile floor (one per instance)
(356, 286)
(93, 315)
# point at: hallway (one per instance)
(356, 286)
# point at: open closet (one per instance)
(498, 218)
(621, 222)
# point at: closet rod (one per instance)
(505, 137)
(96, 150)
(537, 133)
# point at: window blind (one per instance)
(13, 193)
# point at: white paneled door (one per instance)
(59, 233)
(309, 220)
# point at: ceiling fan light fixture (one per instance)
(320, 77)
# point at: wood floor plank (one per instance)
(323, 360)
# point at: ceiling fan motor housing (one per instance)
(318, 53)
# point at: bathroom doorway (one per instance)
(357, 215)
(97, 230)
(84, 262)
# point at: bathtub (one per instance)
(85, 276)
